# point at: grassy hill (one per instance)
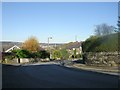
(108, 43)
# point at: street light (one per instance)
(49, 46)
(48, 41)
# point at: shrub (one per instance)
(27, 54)
(35, 55)
(8, 55)
(56, 54)
(108, 43)
(21, 53)
(64, 54)
(43, 54)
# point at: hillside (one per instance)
(71, 45)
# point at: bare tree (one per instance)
(103, 29)
(98, 30)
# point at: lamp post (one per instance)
(49, 46)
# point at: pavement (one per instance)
(112, 71)
(55, 76)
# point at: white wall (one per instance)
(23, 60)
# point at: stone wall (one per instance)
(102, 58)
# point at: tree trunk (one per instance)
(18, 60)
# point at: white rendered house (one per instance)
(12, 48)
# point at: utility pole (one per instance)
(75, 38)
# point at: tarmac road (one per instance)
(54, 76)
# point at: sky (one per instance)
(63, 21)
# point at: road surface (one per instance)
(54, 76)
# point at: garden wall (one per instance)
(24, 60)
(102, 58)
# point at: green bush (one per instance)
(22, 53)
(8, 56)
(61, 54)
(35, 55)
(89, 43)
(56, 54)
(108, 43)
(64, 54)
(43, 54)
(27, 54)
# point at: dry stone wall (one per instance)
(102, 58)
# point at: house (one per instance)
(5, 45)
(12, 48)
(71, 47)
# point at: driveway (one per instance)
(54, 76)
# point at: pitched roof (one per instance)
(6, 45)
(15, 46)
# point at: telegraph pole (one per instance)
(75, 38)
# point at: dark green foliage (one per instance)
(23, 54)
(61, 54)
(43, 54)
(27, 54)
(64, 54)
(8, 56)
(56, 54)
(35, 55)
(87, 45)
(108, 43)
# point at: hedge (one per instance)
(108, 43)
